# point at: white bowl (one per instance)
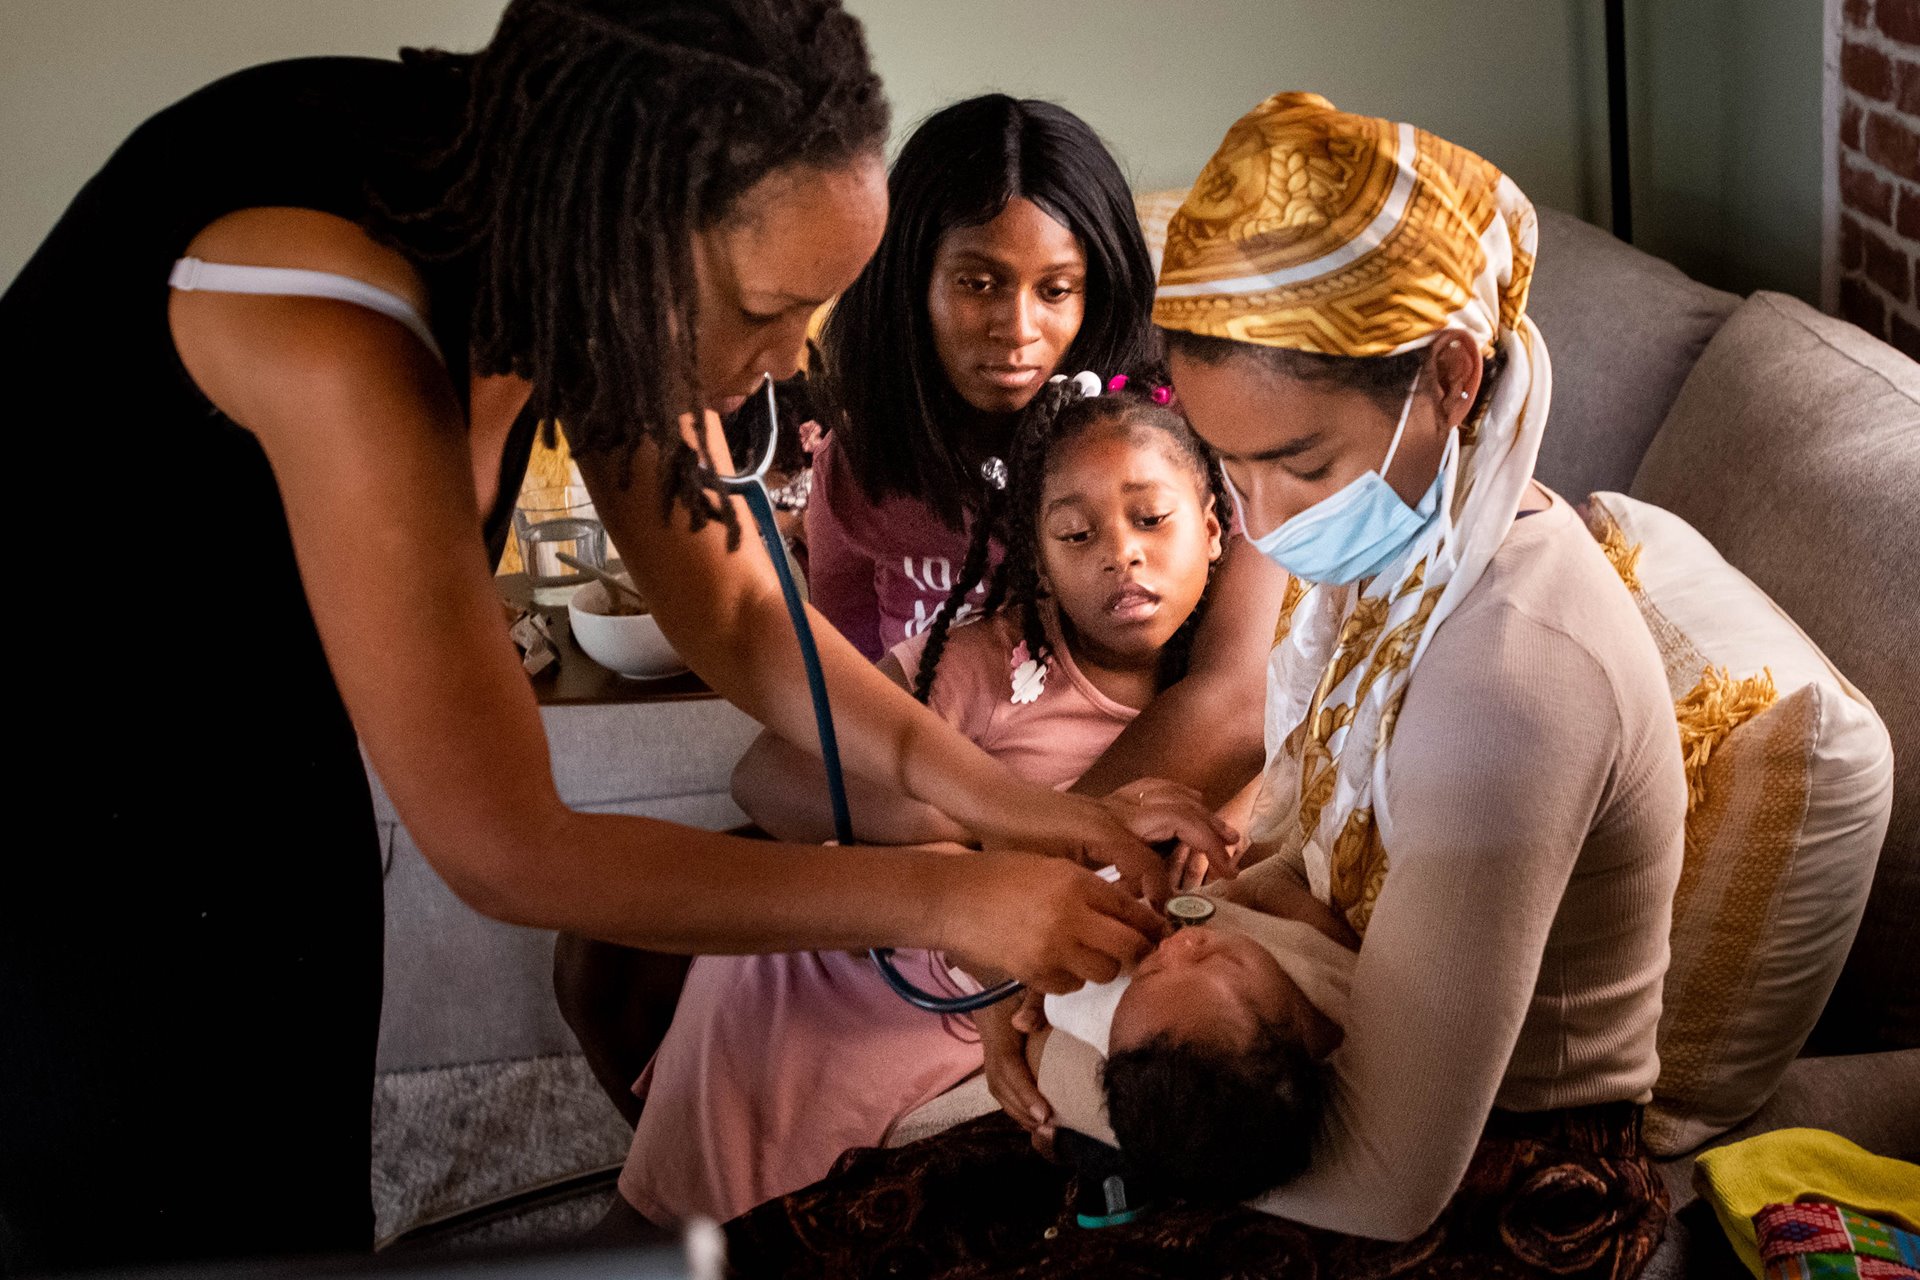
(631, 645)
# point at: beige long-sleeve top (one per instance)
(1515, 954)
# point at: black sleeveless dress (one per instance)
(190, 950)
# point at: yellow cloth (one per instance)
(1323, 231)
(1788, 1165)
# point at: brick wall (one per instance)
(1879, 178)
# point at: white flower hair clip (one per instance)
(1086, 382)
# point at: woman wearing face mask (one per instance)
(385, 277)
(1472, 755)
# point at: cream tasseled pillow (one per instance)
(1790, 786)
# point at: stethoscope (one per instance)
(752, 486)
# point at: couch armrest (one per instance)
(461, 988)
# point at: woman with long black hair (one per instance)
(298, 463)
(1012, 254)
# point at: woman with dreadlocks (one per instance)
(1112, 532)
(384, 276)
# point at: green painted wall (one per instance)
(76, 76)
(1162, 81)
(1727, 139)
(1729, 144)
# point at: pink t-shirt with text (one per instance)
(879, 574)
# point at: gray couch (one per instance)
(1789, 439)
(462, 989)
(1792, 441)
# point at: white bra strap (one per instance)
(226, 277)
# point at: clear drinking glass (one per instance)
(551, 521)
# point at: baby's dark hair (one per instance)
(1054, 418)
(598, 137)
(1215, 1124)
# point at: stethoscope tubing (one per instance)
(752, 487)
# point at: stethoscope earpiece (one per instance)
(741, 479)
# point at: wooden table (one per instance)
(577, 680)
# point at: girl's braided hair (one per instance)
(598, 137)
(1056, 417)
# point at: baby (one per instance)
(1203, 1065)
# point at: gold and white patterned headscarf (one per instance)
(1321, 231)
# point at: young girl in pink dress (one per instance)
(774, 1065)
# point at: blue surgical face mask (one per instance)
(1357, 532)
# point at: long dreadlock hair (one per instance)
(598, 137)
(1056, 417)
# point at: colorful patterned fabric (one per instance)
(1799, 1168)
(1317, 230)
(1813, 1240)
(1561, 1194)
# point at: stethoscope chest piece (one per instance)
(1188, 909)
